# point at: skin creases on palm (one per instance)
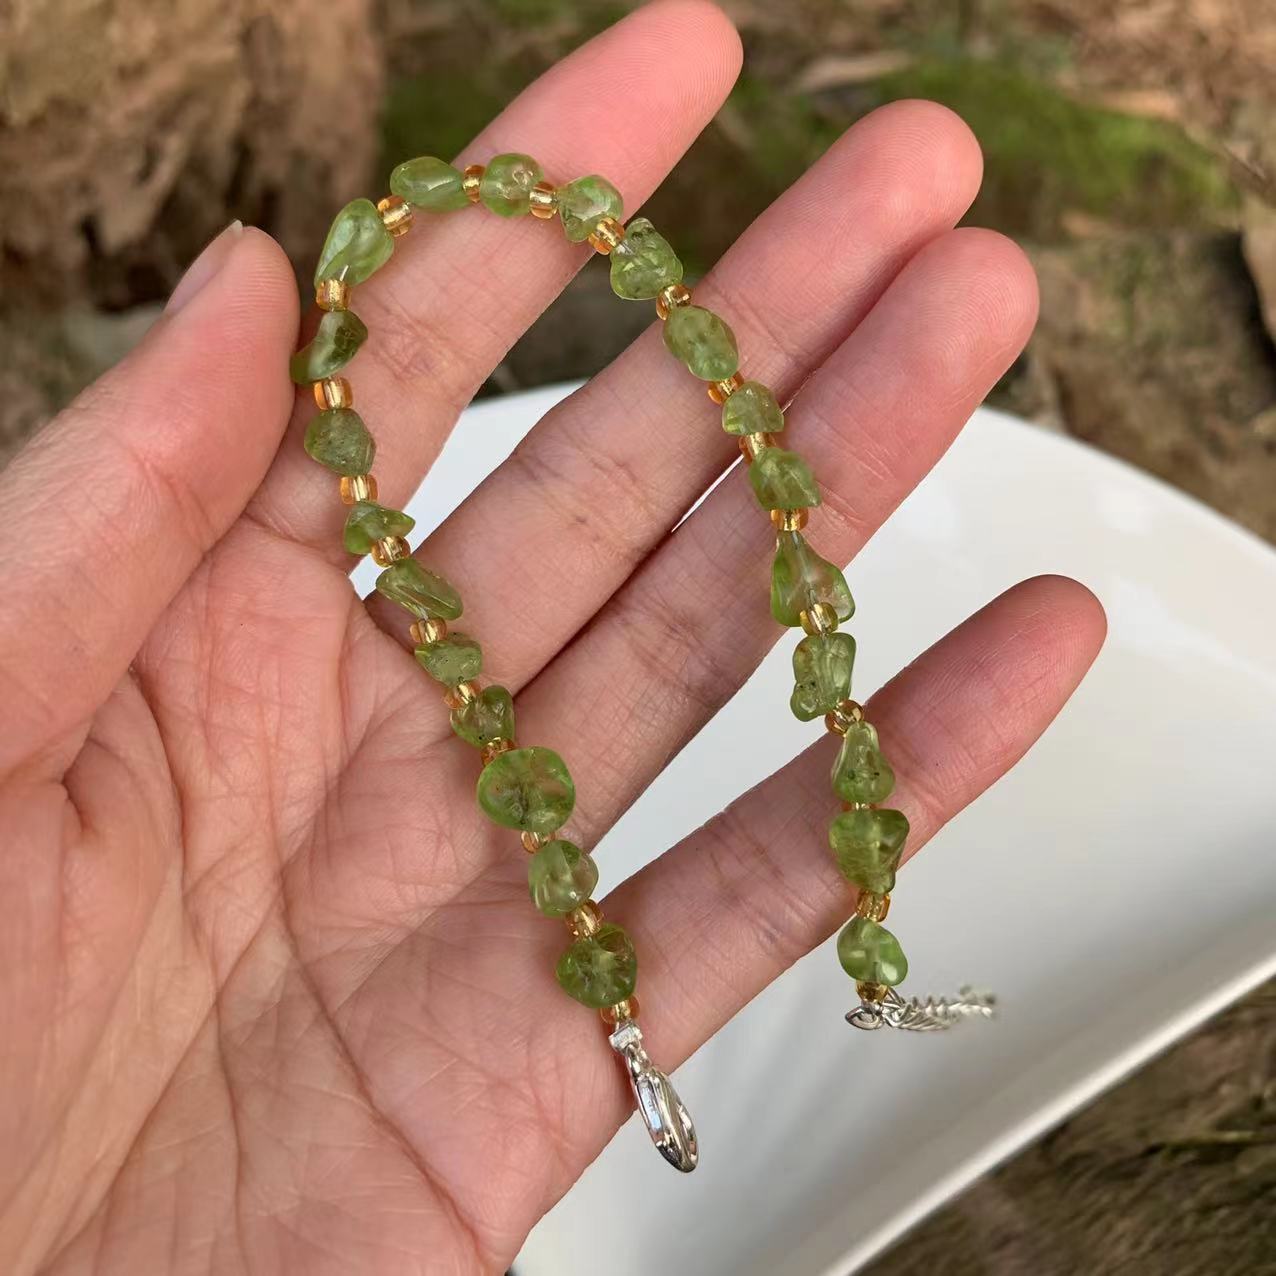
(274, 995)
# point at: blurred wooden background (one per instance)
(1130, 146)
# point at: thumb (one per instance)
(126, 490)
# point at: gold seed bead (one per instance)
(585, 920)
(872, 907)
(494, 749)
(389, 550)
(333, 392)
(470, 182)
(871, 992)
(425, 632)
(721, 391)
(358, 487)
(332, 294)
(821, 619)
(790, 520)
(544, 200)
(532, 842)
(607, 234)
(752, 444)
(627, 1009)
(461, 694)
(670, 298)
(396, 214)
(843, 717)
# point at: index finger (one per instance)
(463, 286)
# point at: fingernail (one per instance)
(205, 267)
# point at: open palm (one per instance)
(273, 996)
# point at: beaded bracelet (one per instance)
(530, 789)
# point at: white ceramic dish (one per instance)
(1123, 878)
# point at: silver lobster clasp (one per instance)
(663, 1112)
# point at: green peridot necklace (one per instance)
(530, 788)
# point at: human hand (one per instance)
(273, 993)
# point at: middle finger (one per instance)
(598, 484)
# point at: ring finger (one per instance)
(691, 625)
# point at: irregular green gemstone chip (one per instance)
(752, 409)
(870, 953)
(358, 244)
(456, 658)
(861, 774)
(583, 203)
(867, 845)
(601, 970)
(643, 263)
(336, 342)
(419, 591)
(527, 789)
(560, 877)
(822, 665)
(782, 480)
(800, 578)
(369, 522)
(703, 341)
(489, 716)
(429, 183)
(506, 184)
(339, 439)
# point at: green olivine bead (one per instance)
(489, 716)
(358, 244)
(336, 342)
(429, 183)
(560, 877)
(782, 480)
(506, 184)
(339, 439)
(861, 774)
(583, 203)
(703, 341)
(527, 789)
(822, 665)
(369, 522)
(643, 263)
(867, 845)
(601, 970)
(752, 409)
(419, 591)
(800, 578)
(869, 953)
(456, 658)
